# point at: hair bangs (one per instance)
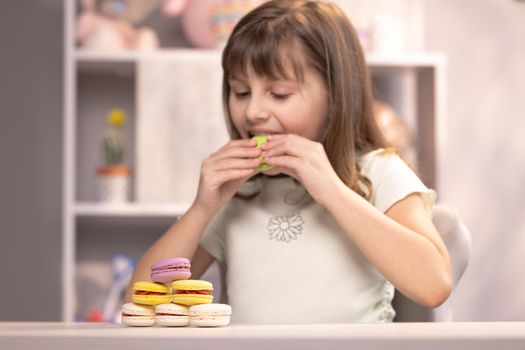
(268, 55)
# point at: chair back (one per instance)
(457, 239)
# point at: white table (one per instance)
(426, 336)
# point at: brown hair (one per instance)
(276, 33)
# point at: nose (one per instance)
(257, 111)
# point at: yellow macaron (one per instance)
(150, 293)
(192, 292)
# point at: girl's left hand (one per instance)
(304, 160)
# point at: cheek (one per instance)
(310, 123)
(236, 115)
(319, 117)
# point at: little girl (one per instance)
(340, 221)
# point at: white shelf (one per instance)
(409, 59)
(94, 209)
(93, 61)
(131, 56)
(108, 61)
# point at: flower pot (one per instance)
(113, 184)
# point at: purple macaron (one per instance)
(169, 270)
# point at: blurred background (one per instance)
(99, 100)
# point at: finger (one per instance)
(211, 167)
(278, 138)
(225, 176)
(276, 150)
(290, 141)
(239, 153)
(240, 143)
(233, 163)
(289, 162)
(289, 146)
(273, 140)
(273, 137)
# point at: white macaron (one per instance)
(138, 315)
(172, 315)
(210, 315)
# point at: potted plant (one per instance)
(113, 178)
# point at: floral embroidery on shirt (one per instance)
(285, 228)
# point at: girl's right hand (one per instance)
(224, 171)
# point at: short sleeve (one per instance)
(393, 180)
(213, 238)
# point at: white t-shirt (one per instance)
(288, 261)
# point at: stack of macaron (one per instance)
(190, 303)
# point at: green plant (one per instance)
(113, 140)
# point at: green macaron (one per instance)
(261, 139)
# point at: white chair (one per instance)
(457, 239)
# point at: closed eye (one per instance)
(242, 94)
(280, 96)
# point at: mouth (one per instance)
(256, 133)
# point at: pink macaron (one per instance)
(168, 270)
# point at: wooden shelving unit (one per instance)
(412, 83)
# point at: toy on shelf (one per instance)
(107, 25)
(113, 178)
(208, 23)
(122, 267)
(395, 131)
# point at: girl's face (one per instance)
(259, 104)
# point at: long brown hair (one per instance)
(320, 35)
